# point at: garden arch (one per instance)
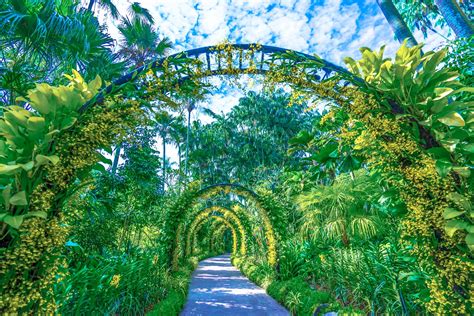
(216, 233)
(178, 214)
(214, 210)
(72, 150)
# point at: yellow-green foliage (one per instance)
(228, 215)
(42, 153)
(270, 213)
(390, 125)
(232, 229)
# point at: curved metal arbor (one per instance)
(215, 210)
(210, 57)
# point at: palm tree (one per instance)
(41, 40)
(190, 107)
(396, 22)
(140, 13)
(455, 17)
(107, 5)
(140, 42)
(165, 123)
(340, 211)
(177, 136)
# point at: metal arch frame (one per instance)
(209, 56)
(254, 196)
(216, 208)
(216, 213)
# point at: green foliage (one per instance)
(292, 260)
(459, 58)
(422, 15)
(298, 296)
(340, 244)
(248, 144)
(109, 286)
(41, 40)
(26, 142)
(341, 211)
(419, 89)
(416, 86)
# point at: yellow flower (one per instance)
(115, 280)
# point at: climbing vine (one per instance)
(227, 214)
(38, 188)
(394, 144)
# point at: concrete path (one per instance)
(218, 288)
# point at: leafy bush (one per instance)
(298, 296)
(295, 293)
(178, 288)
(109, 286)
(292, 260)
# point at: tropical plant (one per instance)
(341, 211)
(140, 42)
(41, 40)
(26, 142)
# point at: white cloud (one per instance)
(332, 29)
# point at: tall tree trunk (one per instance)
(91, 5)
(396, 22)
(179, 166)
(116, 159)
(187, 142)
(345, 238)
(164, 161)
(455, 17)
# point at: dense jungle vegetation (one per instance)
(349, 194)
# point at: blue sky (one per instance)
(331, 29)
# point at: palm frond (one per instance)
(140, 13)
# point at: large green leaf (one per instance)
(470, 241)
(460, 200)
(442, 92)
(41, 99)
(14, 221)
(36, 127)
(6, 196)
(40, 214)
(450, 213)
(68, 122)
(453, 226)
(17, 115)
(462, 171)
(19, 199)
(28, 166)
(469, 148)
(443, 167)
(95, 84)
(49, 137)
(452, 119)
(42, 159)
(9, 169)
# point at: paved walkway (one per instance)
(218, 288)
